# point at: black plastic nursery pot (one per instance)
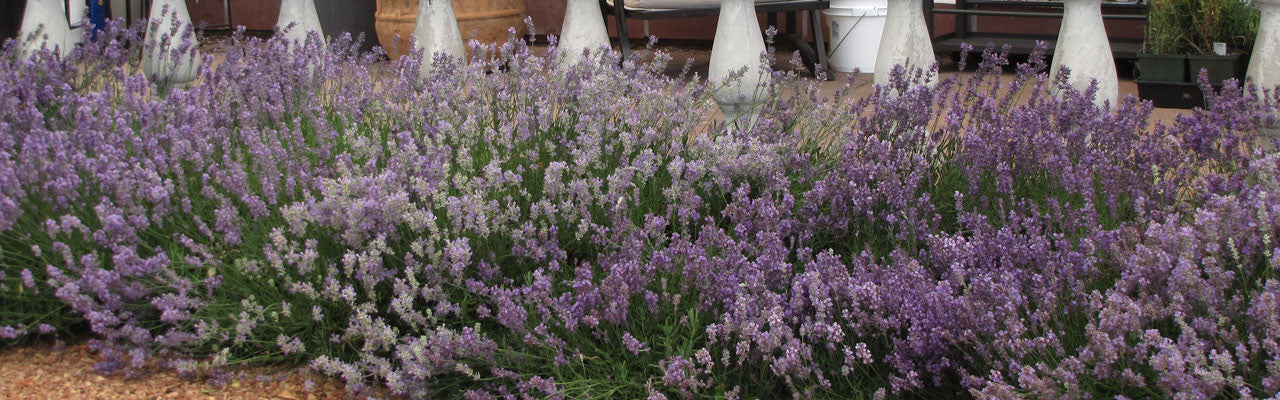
(1171, 94)
(338, 16)
(1220, 68)
(1162, 67)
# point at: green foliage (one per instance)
(1167, 22)
(1226, 21)
(1193, 26)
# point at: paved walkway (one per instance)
(45, 371)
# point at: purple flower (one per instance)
(633, 345)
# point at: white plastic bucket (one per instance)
(854, 4)
(855, 37)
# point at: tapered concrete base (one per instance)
(437, 32)
(44, 26)
(905, 41)
(158, 55)
(738, 45)
(1264, 66)
(1084, 49)
(583, 30)
(298, 19)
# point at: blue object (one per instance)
(97, 15)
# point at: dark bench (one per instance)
(812, 56)
(1024, 44)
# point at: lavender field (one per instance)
(513, 227)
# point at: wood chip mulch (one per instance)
(49, 371)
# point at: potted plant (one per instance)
(1165, 55)
(1222, 37)
(1185, 36)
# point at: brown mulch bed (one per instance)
(50, 371)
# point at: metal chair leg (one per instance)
(620, 14)
(816, 21)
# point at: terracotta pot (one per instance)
(485, 20)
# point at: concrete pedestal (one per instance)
(1084, 49)
(437, 32)
(48, 19)
(158, 50)
(1264, 66)
(583, 30)
(298, 18)
(905, 40)
(738, 46)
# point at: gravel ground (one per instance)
(46, 371)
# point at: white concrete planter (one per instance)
(583, 30)
(301, 14)
(1084, 49)
(1264, 66)
(158, 52)
(76, 17)
(905, 41)
(437, 32)
(47, 18)
(738, 46)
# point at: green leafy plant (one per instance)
(1193, 26)
(1167, 26)
(1234, 22)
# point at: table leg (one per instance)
(816, 21)
(620, 12)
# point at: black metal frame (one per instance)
(66, 12)
(146, 10)
(128, 11)
(1025, 43)
(620, 13)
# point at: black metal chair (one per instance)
(812, 57)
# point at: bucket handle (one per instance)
(846, 34)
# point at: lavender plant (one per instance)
(511, 226)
